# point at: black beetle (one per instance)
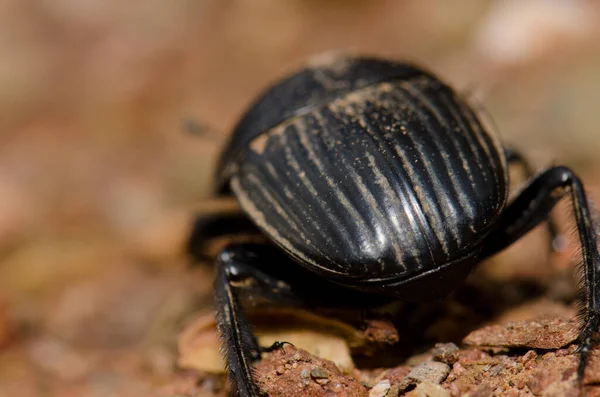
(373, 180)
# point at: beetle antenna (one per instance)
(470, 92)
(201, 129)
(477, 104)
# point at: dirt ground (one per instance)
(101, 171)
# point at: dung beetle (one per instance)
(373, 181)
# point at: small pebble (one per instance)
(429, 389)
(381, 389)
(304, 373)
(319, 373)
(322, 381)
(445, 353)
(394, 391)
(431, 371)
(304, 377)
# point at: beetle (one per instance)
(372, 181)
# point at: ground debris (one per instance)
(443, 371)
(289, 371)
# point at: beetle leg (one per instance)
(207, 227)
(263, 270)
(513, 156)
(531, 207)
(240, 345)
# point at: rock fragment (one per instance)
(445, 353)
(430, 371)
(380, 389)
(536, 334)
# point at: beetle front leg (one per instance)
(263, 270)
(239, 343)
(237, 274)
(531, 207)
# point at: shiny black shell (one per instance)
(367, 171)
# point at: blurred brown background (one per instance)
(97, 173)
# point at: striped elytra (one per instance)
(366, 170)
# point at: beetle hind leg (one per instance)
(533, 206)
(513, 156)
(208, 227)
(591, 324)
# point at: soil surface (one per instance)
(112, 116)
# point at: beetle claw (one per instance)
(275, 346)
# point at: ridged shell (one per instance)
(385, 181)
